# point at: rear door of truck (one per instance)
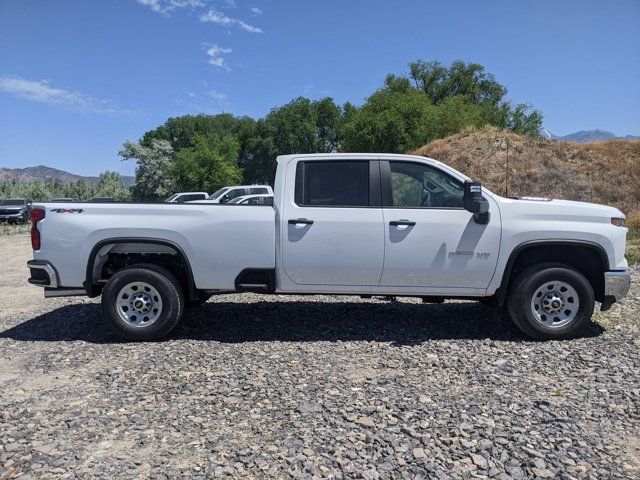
(331, 222)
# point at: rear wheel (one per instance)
(551, 301)
(143, 302)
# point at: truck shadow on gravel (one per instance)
(302, 321)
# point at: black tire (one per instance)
(166, 285)
(526, 285)
(202, 298)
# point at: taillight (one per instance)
(617, 221)
(36, 215)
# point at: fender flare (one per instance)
(92, 289)
(501, 291)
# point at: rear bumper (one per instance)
(616, 287)
(42, 274)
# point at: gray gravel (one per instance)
(286, 386)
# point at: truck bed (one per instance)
(219, 240)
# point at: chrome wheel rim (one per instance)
(139, 304)
(555, 304)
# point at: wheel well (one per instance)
(588, 260)
(108, 257)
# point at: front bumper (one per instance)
(616, 287)
(11, 216)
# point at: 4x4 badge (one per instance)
(67, 210)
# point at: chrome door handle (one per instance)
(396, 223)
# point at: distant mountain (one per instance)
(42, 172)
(584, 136)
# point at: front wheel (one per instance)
(143, 302)
(550, 301)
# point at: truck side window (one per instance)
(257, 191)
(236, 192)
(415, 185)
(335, 184)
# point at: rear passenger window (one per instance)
(257, 191)
(333, 184)
(236, 192)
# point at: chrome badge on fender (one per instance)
(470, 253)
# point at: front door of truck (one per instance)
(332, 225)
(430, 240)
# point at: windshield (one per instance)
(13, 202)
(216, 194)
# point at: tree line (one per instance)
(206, 152)
(109, 185)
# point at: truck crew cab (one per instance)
(353, 224)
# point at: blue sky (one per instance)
(77, 78)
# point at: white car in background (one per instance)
(226, 194)
(187, 197)
(253, 200)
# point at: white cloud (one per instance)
(220, 97)
(210, 102)
(40, 91)
(231, 3)
(167, 6)
(256, 11)
(215, 52)
(219, 18)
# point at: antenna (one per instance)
(506, 174)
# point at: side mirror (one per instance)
(224, 199)
(474, 202)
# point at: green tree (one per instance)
(300, 126)
(210, 163)
(153, 181)
(110, 185)
(395, 119)
(80, 190)
(468, 79)
(478, 87)
(180, 131)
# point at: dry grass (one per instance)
(15, 229)
(604, 172)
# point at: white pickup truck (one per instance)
(352, 224)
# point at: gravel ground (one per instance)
(285, 386)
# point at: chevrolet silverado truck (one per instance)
(346, 224)
(15, 210)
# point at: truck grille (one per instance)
(9, 211)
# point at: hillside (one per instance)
(42, 172)
(604, 172)
(584, 136)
